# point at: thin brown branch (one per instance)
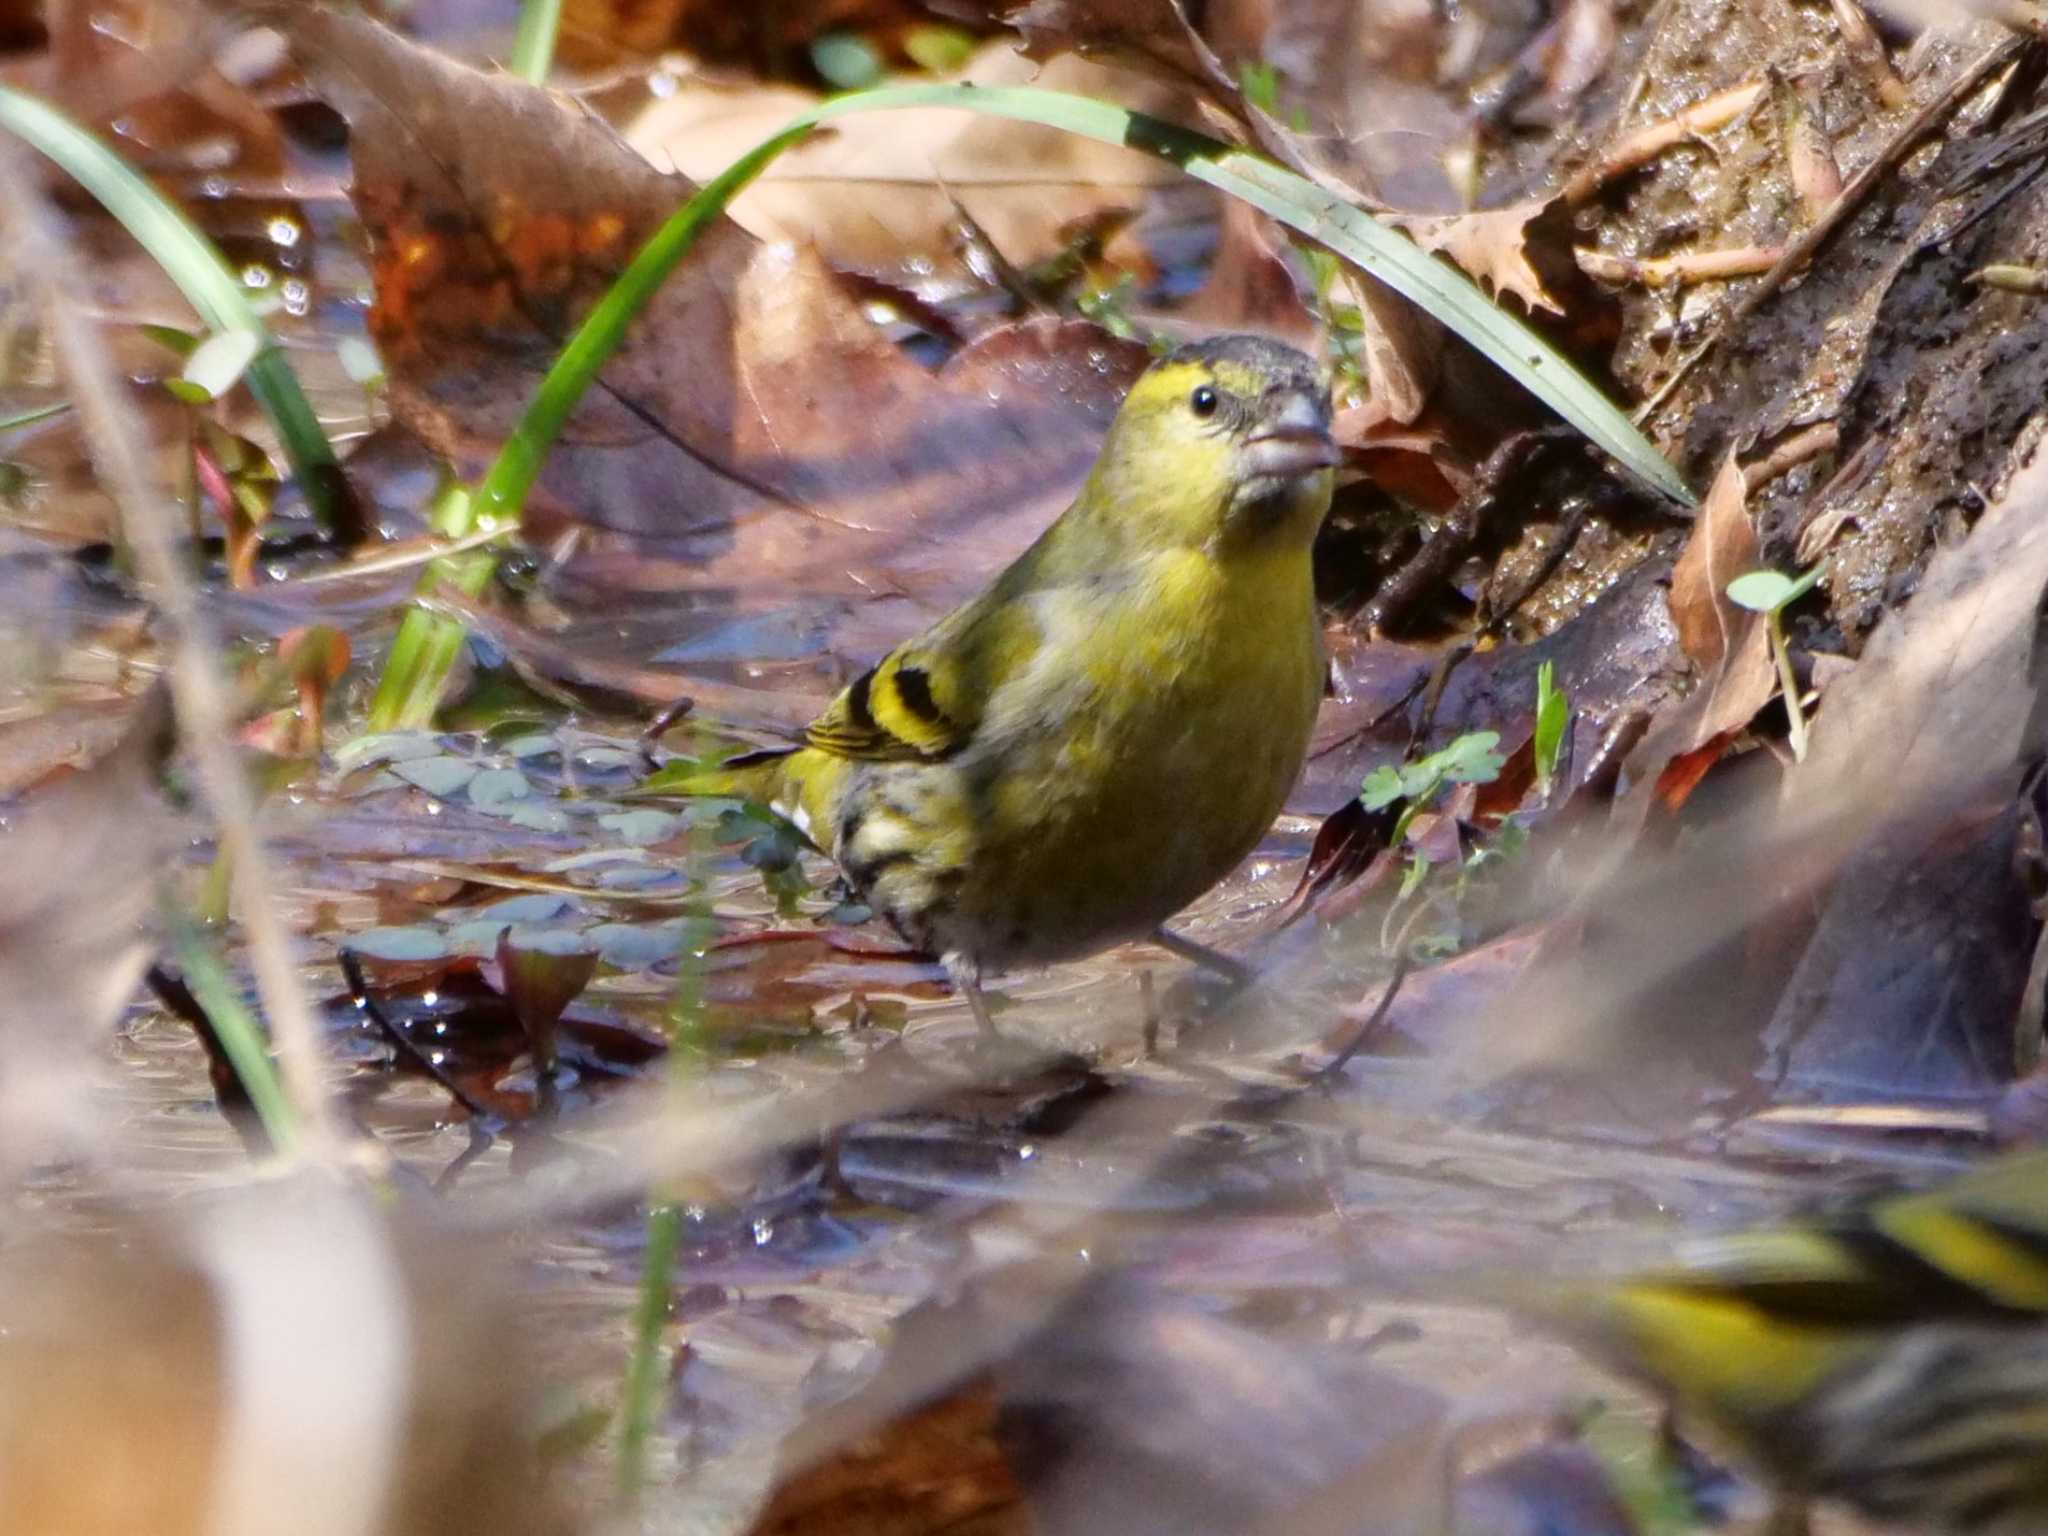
(1676, 271)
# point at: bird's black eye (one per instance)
(1203, 401)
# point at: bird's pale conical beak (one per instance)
(1293, 439)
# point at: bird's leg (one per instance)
(1236, 972)
(966, 978)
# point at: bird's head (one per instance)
(1220, 443)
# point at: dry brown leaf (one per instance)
(1492, 247)
(939, 1467)
(1728, 646)
(1251, 285)
(754, 425)
(1723, 545)
(881, 193)
(1404, 349)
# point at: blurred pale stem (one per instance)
(1788, 684)
(35, 252)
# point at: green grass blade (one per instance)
(240, 1036)
(35, 413)
(1295, 201)
(533, 51)
(201, 275)
(644, 1374)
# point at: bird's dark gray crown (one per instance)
(1280, 363)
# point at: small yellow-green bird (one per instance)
(1893, 1357)
(1070, 758)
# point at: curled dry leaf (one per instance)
(1728, 646)
(541, 981)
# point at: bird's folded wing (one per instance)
(902, 709)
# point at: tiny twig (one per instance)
(1433, 694)
(404, 1044)
(1371, 1026)
(1675, 271)
(1801, 447)
(1639, 148)
(403, 558)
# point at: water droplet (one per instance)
(284, 231)
(255, 275)
(764, 1230)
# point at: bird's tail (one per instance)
(760, 776)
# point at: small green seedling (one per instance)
(1770, 593)
(1473, 758)
(1553, 719)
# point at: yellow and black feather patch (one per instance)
(894, 711)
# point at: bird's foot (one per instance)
(966, 978)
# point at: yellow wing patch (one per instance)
(896, 711)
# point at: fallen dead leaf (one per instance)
(882, 193)
(1728, 646)
(1251, 284)
(1491, 246)
(1722, 547)
(755, 427)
